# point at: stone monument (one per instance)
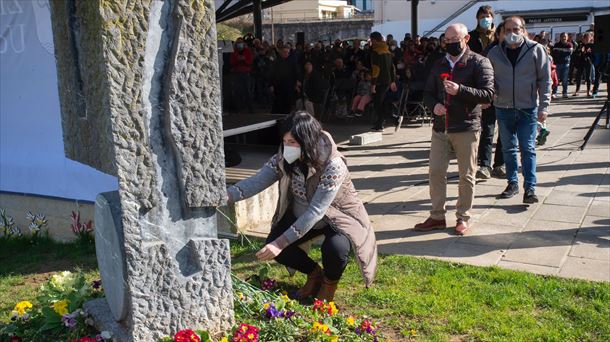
(140, 99)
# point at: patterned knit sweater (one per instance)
(309, 211)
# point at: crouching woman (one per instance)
(316, 197)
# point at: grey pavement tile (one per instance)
(560, 213)
(591, 247)
(516, 214)
(546, 249)
(493, 235)
(586, 269)
(389, 222)
(567, 198)
(472, 254)
(599, 208)
(520, 266)
(595, 225)
(562, 229)
(424, 244)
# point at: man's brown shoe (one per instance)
(430, 224)
(461, 227)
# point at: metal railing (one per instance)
(313, 19)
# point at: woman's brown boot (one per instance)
(327, 290)
(314, 280)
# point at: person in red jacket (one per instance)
(241, 67)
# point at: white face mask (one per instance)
(291, 153)
(513, 38)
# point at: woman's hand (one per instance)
(269, 252)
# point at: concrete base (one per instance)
(103, 320)
(252, 214)
(365, 138)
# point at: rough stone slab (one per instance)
(566, 198)
(203, 299)
(85, 119)
(365, 138)
(560, 213)
(586, 269)
(537, 269)
(194, 100)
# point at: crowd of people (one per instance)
(470, 81)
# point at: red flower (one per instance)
(445, 76)
(15, 339)
(85, 339)
(186, 335)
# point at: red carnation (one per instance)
(445, 76)
(186, 335)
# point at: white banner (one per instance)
(31, 146)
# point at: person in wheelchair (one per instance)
(343, 87)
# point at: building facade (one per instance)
(552, 16)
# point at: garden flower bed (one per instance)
(261, 315)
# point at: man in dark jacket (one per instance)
(284, 82)
(457, 86)
(562, 52)
(384, 76)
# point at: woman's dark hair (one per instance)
(486, 9)
(307, 131)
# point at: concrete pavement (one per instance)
(566, 234)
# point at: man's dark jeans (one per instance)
(381, 91)
(488, 127)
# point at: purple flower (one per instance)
(272, 312)
(69, 320)
(268, 284)
(287, 314)
(96, 284)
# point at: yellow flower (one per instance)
(285, 298)
(266, 306)
(224, 339)
(61, 307)
(22, 307)
(317, 326)
(350, 320)
(334, 339)
(332, 308)
(413, 332)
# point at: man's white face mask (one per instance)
(291, 153)
(513, 38)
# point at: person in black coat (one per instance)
(314, 90)
(284, 82)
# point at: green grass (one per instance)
(440, 300)
(25, 265)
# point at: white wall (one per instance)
(31, 145)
